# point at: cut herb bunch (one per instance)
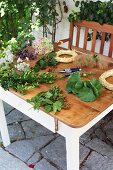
(47, 77)
(86, 90)
(23, 81)
(19, 82)
(51, 100)
(46, 60)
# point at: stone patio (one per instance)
(35, 147)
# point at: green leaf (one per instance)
(36, 68)
(48, 94)
(87, 95)
(96, 86)
(42, 64)
(48, 108)
(37, 106)
(72, 81)
(57, 106)
(77, 3)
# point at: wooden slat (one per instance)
(111, 46)
(85, 38)
(71, 35)
(93, 41)
(61, 41)
(102, 42)
(78, 36)
(95, 25)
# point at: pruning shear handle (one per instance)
(69, 70)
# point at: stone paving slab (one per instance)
(84, 168)
(108, 128)
(100, 134)
(56, 152)
(36, 157)
(21, 149)
(33, 129)
(24, 149)
(86, 137)
(15, 132)
(99, 162)
(84, 152)
(44, 165)
(7, 108)
(9, 162)
(101, 147)
(16, 116)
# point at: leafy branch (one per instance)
(51, 100)
(45, 61)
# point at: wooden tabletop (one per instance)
(80, 112)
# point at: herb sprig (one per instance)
(51, 100)
(47, 77)
(45, 61)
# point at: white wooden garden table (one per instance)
(71, 123)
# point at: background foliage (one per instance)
(16, 15)
(98, 11)
(101, 12)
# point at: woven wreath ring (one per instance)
(103, 80)
(66, 59)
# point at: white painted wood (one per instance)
(3, 126)
(72, 153)
(11, 99)
(38, 115)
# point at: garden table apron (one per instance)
(71, 123)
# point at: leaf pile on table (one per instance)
(86, 90)
(23, 81)
(51, 100)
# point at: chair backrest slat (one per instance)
(102, 42)
(85, 38)
(95, 27)
(111, 46)
(71, 35)
(93, 41)
(78, 36)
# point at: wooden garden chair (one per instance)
(96, 27)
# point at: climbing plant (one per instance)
(98, 11)
(16, 15)
(101, 12)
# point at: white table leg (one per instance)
(72, 150)
(3, 126)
